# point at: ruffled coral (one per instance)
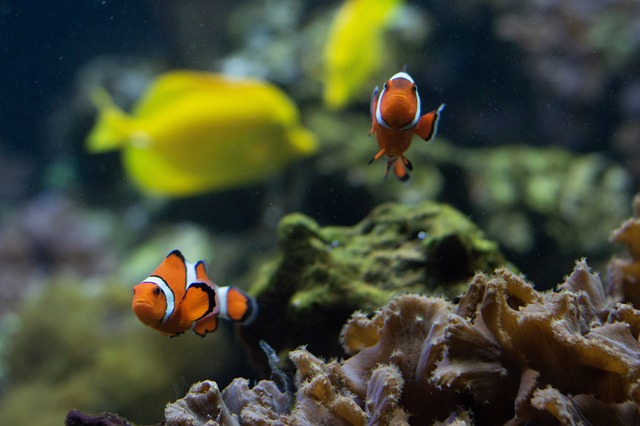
(505, 354)
(624, 274)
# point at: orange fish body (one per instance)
(179, 296)
(396, 117)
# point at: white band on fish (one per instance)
(222, 301)
(191, 273)
(404, 75)
(168, 294)
(379, 118)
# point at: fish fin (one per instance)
(208, 324)
(173, 271)
(240, 306)
(400, 168)
(113, 126)
(407, 163)
(201, 271)
(198, 302)
(427, 126)
(378, 155)
(372, 107)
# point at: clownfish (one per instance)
(395, 117)
(179, 296)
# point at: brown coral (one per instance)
(505, 354)
(624, 274)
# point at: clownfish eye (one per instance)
(156, 291)
(386, 84)
(414, 88)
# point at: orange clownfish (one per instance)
(396, 117)
(179, 296)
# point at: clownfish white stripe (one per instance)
(379, 118)
(168, 294)
(191, 273)
(418, 110)
(404, 75)
(222, 293)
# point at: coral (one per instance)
(238, 404)
(77, 418)
(537, 203)
(505, 354)
(624, 274)
(201, 406)
(323, 275)
(52, 235)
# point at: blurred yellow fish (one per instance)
(354, 48)
(194, 132)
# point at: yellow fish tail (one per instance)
(113, 128)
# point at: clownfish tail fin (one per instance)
(237, 305)
(400, 169)
(407, 163)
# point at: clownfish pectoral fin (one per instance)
(427, 126)
(198, 302)
(208, 324)
(378, 155)
(401, 167)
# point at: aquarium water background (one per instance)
(538, 145)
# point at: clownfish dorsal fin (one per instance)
(198, 302)
(201, 271)
(173, 270)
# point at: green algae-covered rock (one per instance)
(322, 275)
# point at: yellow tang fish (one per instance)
(354, 48)
(194, 132)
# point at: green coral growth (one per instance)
(322, 275)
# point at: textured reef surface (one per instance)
(321, 275)
(503, 353)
